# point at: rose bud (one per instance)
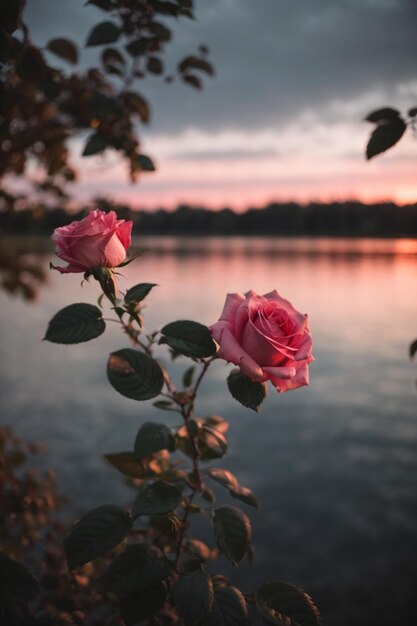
(99, 240)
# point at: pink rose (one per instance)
(266, 337)
(98, 240)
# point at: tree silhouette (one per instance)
(43, 107)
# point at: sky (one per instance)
(283, 117)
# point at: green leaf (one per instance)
(151, 438)
(106, 32)
(146, 164)
(140, 566)
(169, 523)
(413, 348)
(154, 65)
(187, 379)
(192, 80)
(383, 115)
(385, 135)
(223, 477)
(228, 480)
(75, 323)
(212, 444)
(193, 596)
(245, 495)
(283, 603)
(156, 499)
(164, 405)
(126, 463)
(96, 143)
(232, 530)
(229, 608)
(137, 606)
(139, 292)
(218, 423)
(96, 532)
(189, 338)
(63, 48)
(17, 585)
(160, 31)
(112, 56)
(138, 47)
(134, 374)
(250, 394)
(197, 64)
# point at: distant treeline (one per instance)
(350, 219)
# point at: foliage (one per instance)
(44, 106)
(34, 585)
(162, 574)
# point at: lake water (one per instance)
(334, 465)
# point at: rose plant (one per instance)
(163, 575)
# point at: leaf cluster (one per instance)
(46, 100)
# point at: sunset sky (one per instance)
(283, 117)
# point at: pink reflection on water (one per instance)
(356, 292)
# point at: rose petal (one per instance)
(114, 252)
(89, 251)
(305, 346)
(296, 316)
(124, 232)
(231, 351)
(300, 379)
(280, 372)
(233, 301)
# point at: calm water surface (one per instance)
(334, 465)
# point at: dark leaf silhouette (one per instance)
(96, 532)
(106, 32)
(76, 323)
(390, 128)
(139, 567)
(135, 375)
(193, 595)
(250, 394)
(229, 608)
(157, 498)
(283, 603)
(189, 338)
(232, 530)
(152, 438)
(383, 115)
(64, 48)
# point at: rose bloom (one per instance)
(98, 240)
(266, 337)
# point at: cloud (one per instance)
(226, 154)
(274, 59)
(282, 118)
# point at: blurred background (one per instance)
(261, 183)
